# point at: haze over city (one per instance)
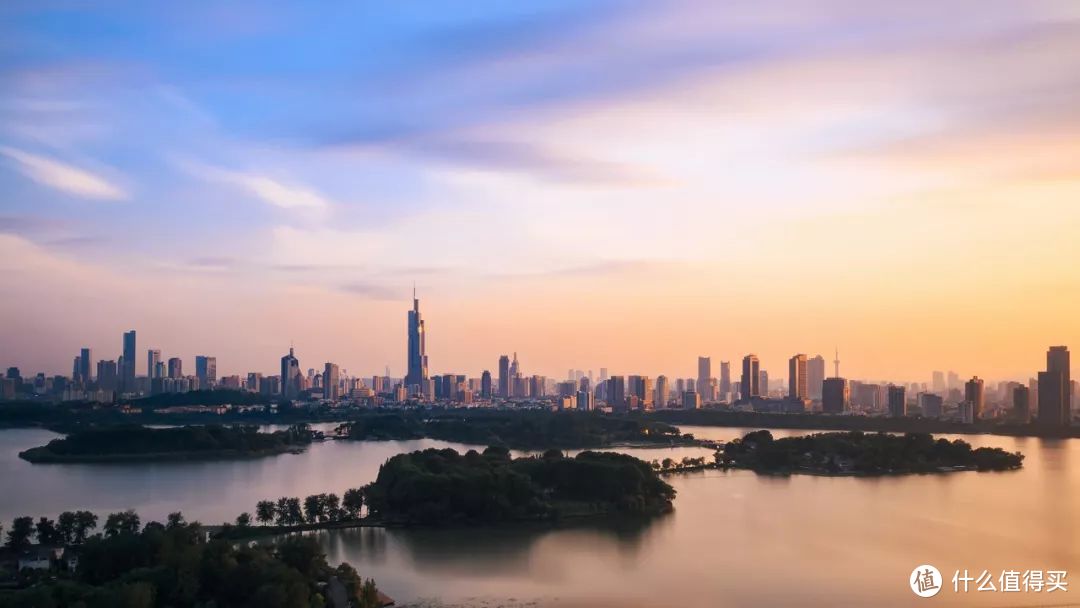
(590, 186)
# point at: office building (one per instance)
(1055, 389)
(206, 371)
(704, 375)
(128, 371)
(691, 400)
(86, 370)
(798, 382)
(176, 368)
(1021, 403)
(897, 401)
(973, 394)
(815, 376)
(751, 377)
(485, 385)
(291, 379)
(725, 380)
(931, 404)
(153, 359)
(660, 400)
(616, 392)
(835, 396)
(763, 383)
(504, 376)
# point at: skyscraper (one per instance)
(835, 396)
(704, 377)
(617, 392)
(128, 373)
(153, 357)
(331, 379)
(763, 383)
(86, 369)
(206, 371)
(1021, 403)
(485, 385)
(798, 384)
(973, 394)
(749, 382)
(504, 376)
(290, 375)
(1055, 389)
(725, 379)
(661, 398)
(815, 376)
(897, 401)
(417, 375)
(176, 367)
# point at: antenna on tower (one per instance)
(836, 364)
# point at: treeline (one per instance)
(519, 429)
(202, 397)
(866, 453)
(315, 509)
(172, 564)
(103, 443)
(445, 487)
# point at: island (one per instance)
(444, 487)
(134, 443)
(857, 453)
(526, 429)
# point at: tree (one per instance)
(332, 507)
(313, 508)
(84, 522)
(243, 520)
(18, 537)
(294, 511)
(283, 511)
(667, 463)
(47, 533)
(126, 522)
(353, 502)
(175, 520)
(65, 527)
(265, 511)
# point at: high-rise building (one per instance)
(704, 375)
(815, 376)
(798, 383)
(938, 383)
(584, 401)
(176, 368)
(206, 371)
(835, 396)
(291, 377)
(661, 398)
(331, 381)
(153, 358)
(751, 377)
(691, 400)
(504, 376)
(416, 379)
(485, 385)
(1021, 399)
(931, 405)
(1055, 389)
(107, 373)
(127, 372)
(616, 392)
(973, 394)
(763, 383)
(86, 370)
(725, 379)
(897, 401)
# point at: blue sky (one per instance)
(332, 154)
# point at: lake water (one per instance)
(736, 538)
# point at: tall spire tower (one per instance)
(836, 364)
(417, 376)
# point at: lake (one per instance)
(736, 538)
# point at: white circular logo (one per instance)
(925, 581)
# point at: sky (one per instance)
(605, 184)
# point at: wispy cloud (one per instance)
(63, 177)
(272, 191)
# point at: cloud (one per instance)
(291, 196)
(372, 291)
(63, 177)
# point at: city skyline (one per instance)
(800, 368)
(635, 179)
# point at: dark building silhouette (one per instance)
(835, 396)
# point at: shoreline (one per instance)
(41, 455)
